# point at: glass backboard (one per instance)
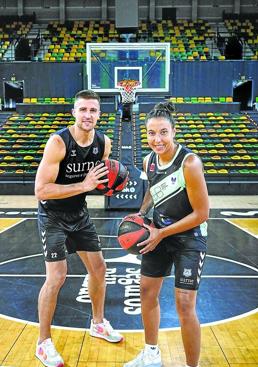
(109, 63)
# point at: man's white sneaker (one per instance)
(105, 331)
(47, 354)
(145, 360)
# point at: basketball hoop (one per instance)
(127, 89)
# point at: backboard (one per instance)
(109, 63)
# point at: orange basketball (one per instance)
(131, 232)
(117, 178)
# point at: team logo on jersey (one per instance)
(173, 180)
(152, 167)
(187, 272)
(95, 150)
(73, 153)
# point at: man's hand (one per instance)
(94, 177)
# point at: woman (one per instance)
(178, 192)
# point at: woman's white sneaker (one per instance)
(48, 355)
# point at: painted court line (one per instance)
(241, 228)
(7, 275)
(211, 256)
(238, 317)
(12, 226)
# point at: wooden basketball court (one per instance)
(225, 343)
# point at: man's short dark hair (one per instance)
(87, 94)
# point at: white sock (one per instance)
(43, 340)
(151, 349)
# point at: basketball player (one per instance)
(178, 192)
(70, 168)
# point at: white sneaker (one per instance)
(47, 354)
(145, 360)
(105, 331)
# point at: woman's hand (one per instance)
(153, 240)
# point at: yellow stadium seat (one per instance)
(229, 99)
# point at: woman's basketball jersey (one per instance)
(74, 168)
(168, 191)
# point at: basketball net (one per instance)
(128, 89)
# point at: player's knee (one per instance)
(102, 272)
(99, 270)
(185, 307)
(102, 268)
(147, 294)
(56, 281)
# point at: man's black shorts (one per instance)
(186, 253)
(60, 230)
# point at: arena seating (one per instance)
(226, 142)
(205, 99)
(190, 40)
(10, 32)
(48, 100)
(23, 138)
(187, 38)
(68, 42)
(247, 31)
(63, 100)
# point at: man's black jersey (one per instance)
(74, 168)
(168, 191)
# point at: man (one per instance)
(71, 166)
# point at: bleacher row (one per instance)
(48, 100)
(187, 38)
(12, 32)
(23, 138)
(190, 40)
(226, 142)
(63, 100)
(245, 29)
